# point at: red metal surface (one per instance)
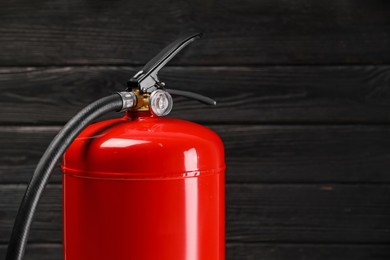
(144, 188)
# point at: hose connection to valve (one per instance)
(159, 102)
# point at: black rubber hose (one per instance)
(57, 147)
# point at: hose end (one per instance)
(129, 100)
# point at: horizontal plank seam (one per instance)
(185, 65)
(273, 243)
(223, 123)
(195, 66)
(57, 127)
(313, 183)
(235, 123)
(233, 242)
(253, 184)
(267, 183)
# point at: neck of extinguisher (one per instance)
(134, 115)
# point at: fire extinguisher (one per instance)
(141, 187)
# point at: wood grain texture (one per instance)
(303, 109)
(334, 94)
(38, 252)
(298, 251)
(236, 32)
(256, 251)
(287, 213)
(268, 154)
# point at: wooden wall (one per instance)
(304, 110)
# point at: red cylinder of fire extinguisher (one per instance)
(144, 187)
(141, 187)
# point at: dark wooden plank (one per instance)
(272, 154)
(38, 252)
(20, 150)
(307, 154)
(249, 32)
(251, 252)
(245, 95)
(255, 213)
(306, 251)
(308, 213)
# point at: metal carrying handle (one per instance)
(146, 80)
